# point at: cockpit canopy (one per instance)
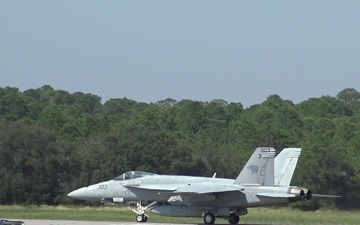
(132, 175)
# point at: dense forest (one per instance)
(53, 141)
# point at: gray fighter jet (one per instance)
(264, 181)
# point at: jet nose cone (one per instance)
(80, 193)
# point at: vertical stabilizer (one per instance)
(259, 169)
(285, 164)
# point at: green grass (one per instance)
(115, 213)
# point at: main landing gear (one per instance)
(209, 218)
(233, 218)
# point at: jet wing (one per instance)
(190, 188)
(159, 187)
(206, 188)
(196, 193)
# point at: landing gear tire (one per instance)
(209, 218)
(141, 218)
(233, 218)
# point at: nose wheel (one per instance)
(141, 218)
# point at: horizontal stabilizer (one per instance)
(276, 195)
(325, 196)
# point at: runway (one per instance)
(79, 222)
(75, 222)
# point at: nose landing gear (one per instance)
(140, 211)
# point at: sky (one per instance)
(238, 51)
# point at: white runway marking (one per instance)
(79, 222)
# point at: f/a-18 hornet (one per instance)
(264, 181)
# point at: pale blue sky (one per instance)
(238, 51)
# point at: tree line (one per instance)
(53, 141)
